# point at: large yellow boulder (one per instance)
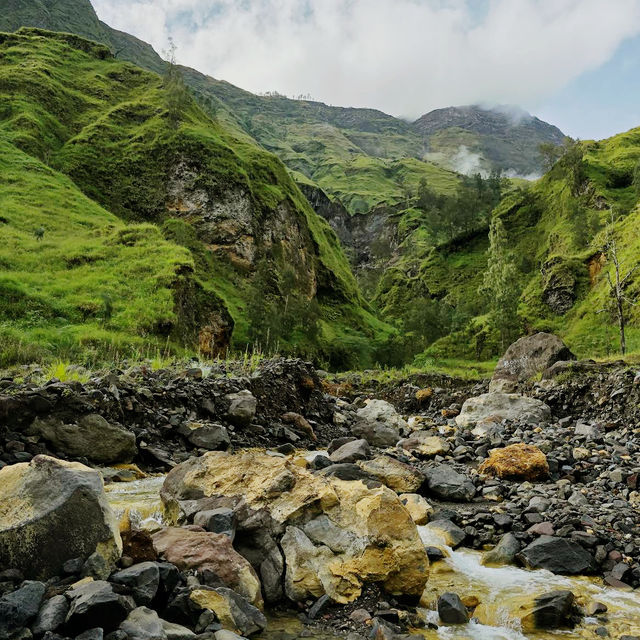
(335, 535)
(516, 462)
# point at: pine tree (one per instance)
(501, 283)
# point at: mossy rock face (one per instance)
(52, 511)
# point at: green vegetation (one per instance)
(68, 108)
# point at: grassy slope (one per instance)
(543, 234)
(102, 122)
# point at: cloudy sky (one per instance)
(572, 62)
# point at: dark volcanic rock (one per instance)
(451, 610)
(558, 556)
(446, 483)
(19, 608)
(553, 610)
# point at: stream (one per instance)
(501, 591)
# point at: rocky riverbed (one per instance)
(279, 503)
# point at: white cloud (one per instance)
(402, 56)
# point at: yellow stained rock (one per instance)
(516, 462)
(419, 509)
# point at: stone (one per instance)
(97, 567)
(557, 555)
(503, 553)
(351, 452)
(95, 604)
(192, 548)
(368, 534)
(446, 483)
(143, 624)
(53, 511)
(450, 533)
(553, 610)
(401, 477)
(91, 634)
(350, 472)
(451, 609)
(92, 437)
(419, 509)
(526, 358)
(137, 544)
(516, 462)
(224, 634)
(19, 608)
(221, 520)
(300, 423)
(242, 408)
(51, 616)
(503, 406)
(175, 631)
(143, 579)
(379, 423)
(231, 609)
(422, 443)
(213, 437)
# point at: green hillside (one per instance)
(251, 245)
(557, 229)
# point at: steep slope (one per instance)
(557, 229)
(474, 138)
(255, 242)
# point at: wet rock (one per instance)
(192, 548)
(503, 406)
(51, 616)
(558, 556)
(54, 511)
(419, 509)
(351, 452)
(452, 535)
(527, 357)
(92, 437)
(451, 610)
(446, 483)
(516, 462)
(221, 520)
(19, 608)
(231, 609)
(553, 610)
(387, 548)
(401, 477)
(503, 553)
(95, 604)
(142, 579)
(242, 408)
(379, 424)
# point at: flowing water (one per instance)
(502, 592)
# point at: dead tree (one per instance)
(617, 288)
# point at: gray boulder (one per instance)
(96, 604)
(526, 358)
(504, 552)
(213, 437)
(451, 609)
(557, 555)
(503, 406)
(92, 437)
(242, 408)
(19, 608)
(54, 511)
(143, 624)
(221, 520)
(51, 616)
(143, 579)
(351, 452)
(553, 610)
(379, 424)
(446, 483)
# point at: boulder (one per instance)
(503, 406)
(422, 443)
(379, 424)
(449, 532)
(92, 437)
(360, 534)
(557, 555)
(504, 552)
(233, 611)
(419, 509)
(143, 579)
(175, 631)
(52, 511)
(242, 408)
(143, 624)
(516, 462)
(95, 604)
(192, 548)
(212, 437)
(19, 608)
(401, 477)
(351, 452)
(553, 610)
(451, 609)
(446, 483)
(221, 520)
(51, 616)
(526, 358)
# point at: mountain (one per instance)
(133, 227)
(476, 138)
